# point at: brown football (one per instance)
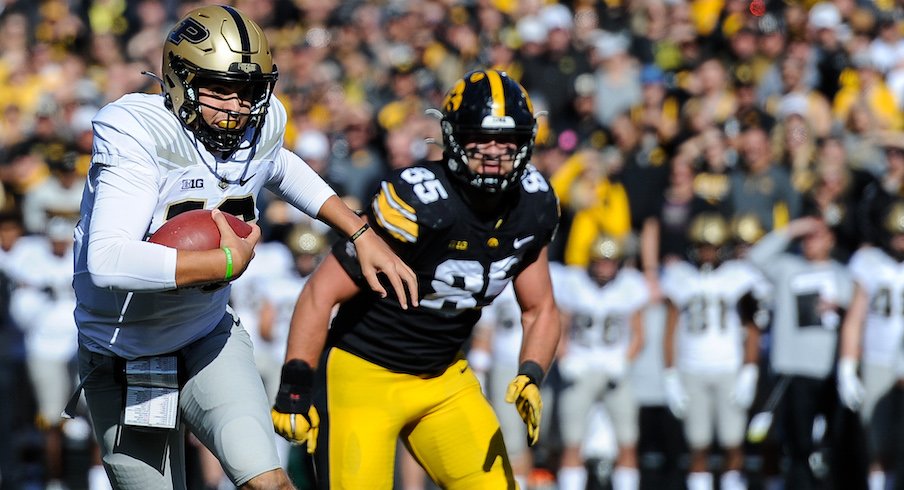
(196, 230)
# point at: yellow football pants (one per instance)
(445, 421)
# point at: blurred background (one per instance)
(655, 111)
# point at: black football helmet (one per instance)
(482, 106)
(213, 44)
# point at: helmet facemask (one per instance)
(229, 136)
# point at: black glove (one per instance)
(294, 417)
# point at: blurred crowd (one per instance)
(655, 111)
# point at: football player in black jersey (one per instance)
(468, 225)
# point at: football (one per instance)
(196, 230)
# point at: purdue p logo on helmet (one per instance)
(481, 105)
(220, 44)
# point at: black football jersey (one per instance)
(462, 262)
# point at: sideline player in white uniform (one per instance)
(41, 305)
(212, 140)
(603, 304)
(711, 373)
(872, 335)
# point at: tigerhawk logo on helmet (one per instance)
(482, 106)
(218, 44)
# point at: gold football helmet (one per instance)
(708, 229)
(747, 228)
(218, 44)
(606, 246)
(894, 219)
(304, 240)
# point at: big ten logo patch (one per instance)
(192, 184)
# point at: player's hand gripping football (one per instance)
(524, 392)
(241, 250)
(294, 417)
(375, 256)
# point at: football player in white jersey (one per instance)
(278, 295)
(871, 336)
(41, 305)
(603, 304)
(212, 140)
(710, 357)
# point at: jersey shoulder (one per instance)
(633, 286)
(741, 273)
(538, 200)
(866, 262)
(415, 198)
(676, 279)
(273, 131)
(140, 127)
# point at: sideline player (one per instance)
(711, 374)
(604, 303)
(871, 336)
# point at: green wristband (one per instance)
(228, 262)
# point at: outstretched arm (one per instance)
(374, 254)
(294, 417)
(329, 286)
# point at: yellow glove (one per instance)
(524, 392)
(298, 428)
(293, 415)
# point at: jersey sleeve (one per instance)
(674, 282)
(636, 287)
(125, 179)
(862, 265)
(296, 182)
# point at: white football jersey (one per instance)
(282, 292)
(600, 329)
(272, 260)
(504, 316)
(882, 278)
(709, 333)
(147, 167)
(43, 300)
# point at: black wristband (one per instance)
(358, 233)
(294, 395)
(533, 371)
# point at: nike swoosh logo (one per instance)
(520, 242)
(245, 181)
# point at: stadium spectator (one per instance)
(760, 186)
